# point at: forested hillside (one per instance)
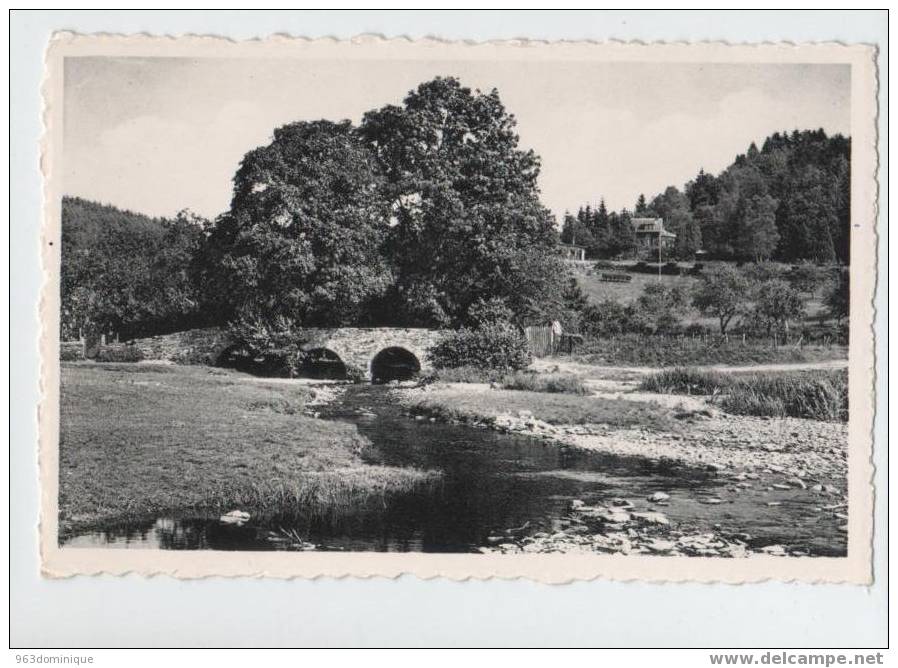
(126, 272)
(788, 200)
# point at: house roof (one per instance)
(650, 226)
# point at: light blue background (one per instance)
(133, 611)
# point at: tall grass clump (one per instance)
(555, 383)
(683, 380)
(815, 395)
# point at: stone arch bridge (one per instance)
(360, 347)
(356, 347)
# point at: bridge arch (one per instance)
(236, 356)
(394, 363)
(323, 364)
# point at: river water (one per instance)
(489, 483)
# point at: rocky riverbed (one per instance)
(619, 528)
(779, 467)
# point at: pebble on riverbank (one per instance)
(612, 530)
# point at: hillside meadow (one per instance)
(590, 281)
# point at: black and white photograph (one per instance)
(311, 303)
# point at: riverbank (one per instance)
(689, 430)
(773, 467)
(140, 441)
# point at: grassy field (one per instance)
(598, 290)
(458, 404)
(138, 441)
(817, 395)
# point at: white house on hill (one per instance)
(650, 235)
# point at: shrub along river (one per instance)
(492, 486)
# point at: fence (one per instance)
(545, 340)
(540, 339)
(688, 341)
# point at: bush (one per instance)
(278, 342)
(806, 277)
(696, 269)
(696, 329)
(71, 351)
(660, 308)
(119, 353)
(494, 346)
(761, 272)
(194, 357)
(554, 383)
(838, 297)
(671, 269)
(609, 318)
(604, 265)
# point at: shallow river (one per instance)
(490, 483)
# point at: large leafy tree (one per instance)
(809, 216)
(723, 292)
(303, 238)
(755, 233)
(465, 210)
(777, 304)
(578, 229)
(673, 207)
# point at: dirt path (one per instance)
(591, 370)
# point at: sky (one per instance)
(157, 135)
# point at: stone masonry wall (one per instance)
(356, 346)
(193, 346)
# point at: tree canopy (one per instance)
(468, 224)
(127, 273)
(788, 200)
(305, 233)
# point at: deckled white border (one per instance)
(551, 568)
